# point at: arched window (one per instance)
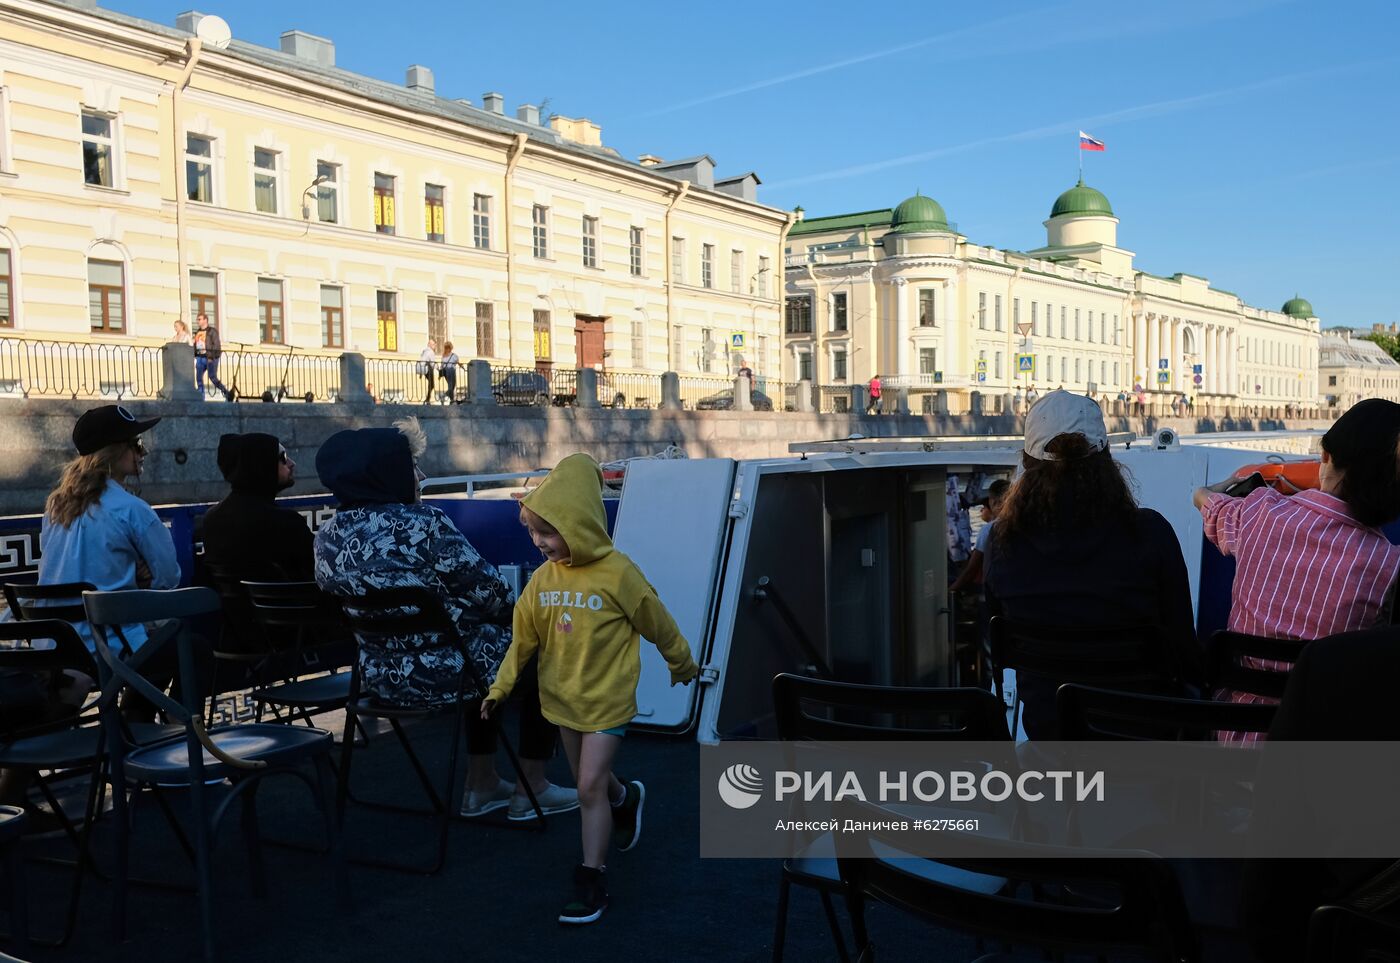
(1188, 340)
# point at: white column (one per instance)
(1154, 351)
(1220, 383)
(1207, 357)
(1139, 348)
(1232, 357)
(901, 327)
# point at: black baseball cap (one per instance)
(108, 425)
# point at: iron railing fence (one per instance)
(394, 381)
(629, 390)
(273, 374)
(702, 393)
(833, 399)
(534, 386)
(79, 369)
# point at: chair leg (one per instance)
(835, 925)
(19, 893)
(423, 777)
(780, 923)
(123, 829)
(335, 839)
(253, 840)
(347, 748)
(204, 874)
(449, 782)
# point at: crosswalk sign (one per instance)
(736, 341)
(1025, 364)
(1164, 377)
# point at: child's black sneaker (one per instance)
(590, 896)
(627, 817)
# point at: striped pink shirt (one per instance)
(1304, 569)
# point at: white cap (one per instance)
(1063, 413)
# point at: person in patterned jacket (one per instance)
(383, 536)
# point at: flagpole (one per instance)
(1079, 149)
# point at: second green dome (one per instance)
(1081, 201)
(918, 214)
(1297, 308)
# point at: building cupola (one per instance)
(1080, 216)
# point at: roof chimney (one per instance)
(188, 21)
(419, 79)
(308, 46)
(528, 113)
(648, 160)
(577, 130)
(493, 102)
(700, 170)
(463, 101)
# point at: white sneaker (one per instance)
(554, 799)
(480, 803)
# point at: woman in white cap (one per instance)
(96, 531)
(1073, 549)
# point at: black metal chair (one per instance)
(810, 709)
(1225, 655)
(1127, 657)
(1145, 915)
(1087, 713)
(398, 613)
(318, 641)
(1349, 934)
(240, 754)
(12, 823)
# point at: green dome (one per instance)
(1296, 307)
(1081, 201)
(918, 214)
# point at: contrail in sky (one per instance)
(1139, 112)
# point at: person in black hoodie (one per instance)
(1071, 548)
(246, 532)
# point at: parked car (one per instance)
(724, 401)
(522, 388)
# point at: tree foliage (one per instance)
(1389, 343)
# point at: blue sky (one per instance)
(1253, 142)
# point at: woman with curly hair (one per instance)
(1072, 549)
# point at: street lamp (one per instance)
(306, 194)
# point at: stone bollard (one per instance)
(743, 394)
(177, 373)
(670, 391)
(901, 401)
(587, 391)
(479, 383)
(974, 403)
(804, 396)
(352, 379)
(859, 400)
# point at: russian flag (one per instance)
(1088, 143)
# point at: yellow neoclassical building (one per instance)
(901, 293)
(1353, 368)
(151, 172)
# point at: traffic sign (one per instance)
(1025, 364)
(981, 374)
(1164, 377)
(736, 341)
(981, 365)
(1164, 364)
(1196, 380)
(1198, 369)
(1023, 328)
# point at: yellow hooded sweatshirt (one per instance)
(585, 617)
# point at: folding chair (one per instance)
(1086, 713)
(318, 640)
(1227, 651)
(1349, 934)
(241, 754)
(817, 709)
(1146, 914)
(402, 613)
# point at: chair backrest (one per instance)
(1146, 914)
(1122, 656)
(292, 605)
(1343, 934)
(21, 598)
(66, 651)
(396, 613)
(1088, 713)
(1224, 662)
(819, 709)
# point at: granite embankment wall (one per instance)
(35, 439)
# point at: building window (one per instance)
(761, 278)
(1077, 375)
(639, 344)
(265, 180)
(838, 364)
(1331, 381)
(1091, 327)
(736, 271)
(332, 317)
(982, 310)
(1016, 315)
(106, 297)
(1049, 320)
(1063, 325)
(927, 316)
(98, 149)
(204, 297)
(7, 318)
(270, 311)
(707, 265)
(541, 328)
(1078, 334)
(1116, 382)
(384, 204)
(328, 193)
(434, 213)
(1115, 329)
(590, 242)
(1035, 318)
(996, 368)
(199, 168)
(677, 346)
(762, 354)
(838, 311)
(707, 349)
(928, 361)
(678, 260)
(998, 314)
(485, 329)
(1103, 372)
(799, 315)
(539, 231)
(437, 320)
(1103, 327)
(1049, 366)
(388, 321)
(636, 237)
(804, 366)
(481, 222)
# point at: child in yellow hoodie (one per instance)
(584, 612)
